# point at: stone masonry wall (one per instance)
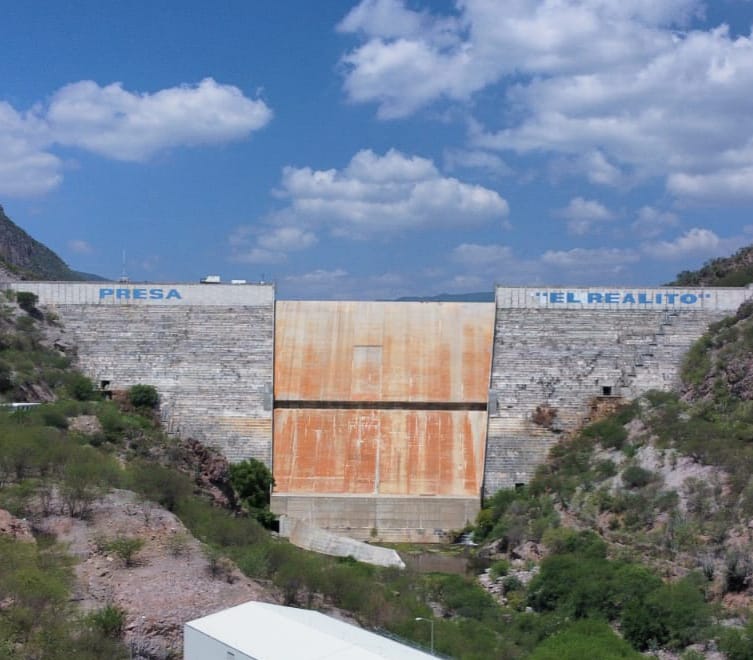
(208, 349)
(556, 350)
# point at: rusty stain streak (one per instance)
(427, 363)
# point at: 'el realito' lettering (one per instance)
(572, 298)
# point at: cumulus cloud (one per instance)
(734, 185)
(373, 195)
(651, 222)
(590, 258)
(695, 241)
(583, 215)
(123, 125)
(377, 194)
(269, 245)
(115, 123)
(475, 159)
(621, 89)
(26, 168)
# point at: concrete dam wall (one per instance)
(208, 349)
(556, 350)
(383, 420)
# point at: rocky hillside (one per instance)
(22, 257)
(736, 270)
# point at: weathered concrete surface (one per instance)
(206, 348)
(382, 351)
(383, 519)
(556, 349)
(388, 452)
(319, 540)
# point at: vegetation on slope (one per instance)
(736, 270)
(664, 490)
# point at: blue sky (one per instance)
(380, 148)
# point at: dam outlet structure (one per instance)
(383, 420)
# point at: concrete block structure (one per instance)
(556, 350)
(380, 416)
(207, 348)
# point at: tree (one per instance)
(252, 482)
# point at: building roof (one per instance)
(272, 632)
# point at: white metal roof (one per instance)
(275, 632)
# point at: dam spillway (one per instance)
(383, 420)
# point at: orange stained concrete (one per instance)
(380, 452)
(383, 351)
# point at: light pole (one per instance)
(431, 621)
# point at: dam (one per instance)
(383, 420)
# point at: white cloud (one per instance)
(586, 258)
(271, 245)
(583, 215)
(26, 169)
(123, 125)
(475, 159)
(614, 87)
(287, 239)
(651, 222)
(79, 246)
(115, 123)
(735, 185)
(377, 194)
(693, 242)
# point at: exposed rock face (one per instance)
(15, 527)
(86, 424)
(731, 359)
(212, 471)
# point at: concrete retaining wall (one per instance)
(309, 537)
(381, 519)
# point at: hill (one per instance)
(23, 257)
(736, 270)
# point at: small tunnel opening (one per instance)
(606, 390)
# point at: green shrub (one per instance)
(499, 568)
(79, 386)
(637, 477)
(609, 433)
(673, 615)
(167, 487)
(110, 621)
(143, 396)
(735, 643)
(126, 548)
(27, 301)
(582, 640)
